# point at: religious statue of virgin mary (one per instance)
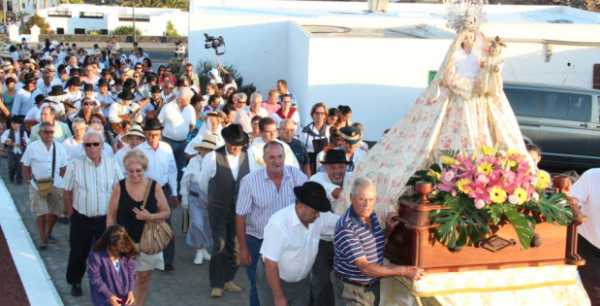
(463, 109)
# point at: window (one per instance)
(60, 13)
(580, 107)
(60, 31)
(138, 18)
(556, 105)
(91, 15)
(79, 31)
(525, 102)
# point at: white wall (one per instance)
(258, 51)
(297, 61)
(380, 78)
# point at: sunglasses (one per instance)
(48, 132)
(91, 144)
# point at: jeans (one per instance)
(179, 153)
(254, 245)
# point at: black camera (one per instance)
(217, 43)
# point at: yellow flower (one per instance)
(448, 160)
(543, 180)
(486, 150)
(434, 174)
(485, 168)
(512, 152)
(497, 195)
(463, 185)
(521, 195)
(508, 163)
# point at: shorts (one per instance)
(146, 262)
(52, 204)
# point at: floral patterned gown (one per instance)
(451, 114)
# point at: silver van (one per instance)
(563, 121)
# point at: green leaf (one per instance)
(524, 226)
(496, 211)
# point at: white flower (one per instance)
(479, 204)
(513, 199)
(535, 197)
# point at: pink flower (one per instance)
(479, 204)
(448, 176)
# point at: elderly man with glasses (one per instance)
(88, 185)
(44, 163)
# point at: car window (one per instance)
(556, 105)
(580, 107)
(525, 102)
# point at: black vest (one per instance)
(223, 188)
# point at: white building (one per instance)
(337, 53)
(85, 18)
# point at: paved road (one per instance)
(187, 285)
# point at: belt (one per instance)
(355, 283)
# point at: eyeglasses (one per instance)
(48, 132)
(320, 113)
(89, 103)
(139, 170)
(91, 144)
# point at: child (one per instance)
(15, 140)
(535, 152)
(111, 268)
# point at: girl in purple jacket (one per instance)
(111, 268)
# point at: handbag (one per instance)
(156, 235)
(44, 186)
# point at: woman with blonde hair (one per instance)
(125, 209)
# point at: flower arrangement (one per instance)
(481, 191)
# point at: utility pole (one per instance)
(133, 16)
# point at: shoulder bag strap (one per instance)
(53, 159)
(147, 193)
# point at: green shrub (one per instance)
(39, 21)
(171, 31)
(126, 31)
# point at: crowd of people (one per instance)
(110, 144)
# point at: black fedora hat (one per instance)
(350, 134)
(312, 194)
(234, 135)
(152, 124)
(56, 90)
(126, 95)
(335, 156)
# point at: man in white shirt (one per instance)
(268, 132)
(290, 246)
(162, 169)
(178, 119)
(585, 190)
(44, 163)
(48, 79)
(332, 180)
(88, 186)
(125, 109)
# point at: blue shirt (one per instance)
(354, 239)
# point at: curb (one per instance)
(30, 266)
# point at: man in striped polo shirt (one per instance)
(358, 251)
(88, 185)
